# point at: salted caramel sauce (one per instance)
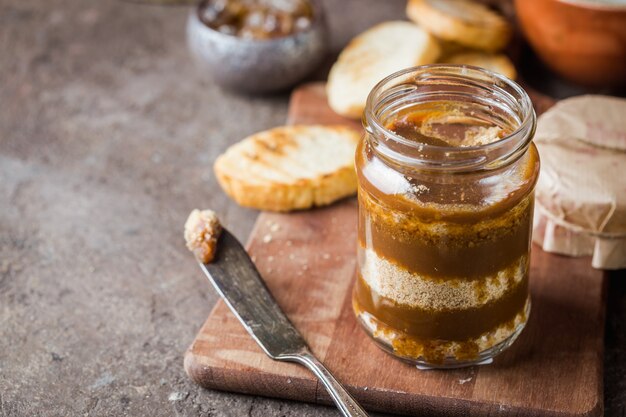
(423, 231)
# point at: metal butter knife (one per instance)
(237, 280)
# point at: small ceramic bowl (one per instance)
(255, 65)
(583, 41)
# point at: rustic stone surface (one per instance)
(107, 136)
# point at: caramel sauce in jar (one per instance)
(446, 176)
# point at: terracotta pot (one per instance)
(584, 42)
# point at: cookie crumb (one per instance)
(202, 229)
(463, 381)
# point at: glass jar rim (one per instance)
(505, 150)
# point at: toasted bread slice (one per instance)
(462, 21)
(290, 167)
(449, 48)
(499, 63)
(373, 55)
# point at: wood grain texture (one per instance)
(308, 261)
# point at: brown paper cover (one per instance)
(581, 192)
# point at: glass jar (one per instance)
(446, 176)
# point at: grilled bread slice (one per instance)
(499, 63)
(290, 167)
(373, 55)
(463, 21)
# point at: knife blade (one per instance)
(235, 277)
(237, 280)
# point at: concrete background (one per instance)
(107, 137)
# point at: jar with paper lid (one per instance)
(581, 193)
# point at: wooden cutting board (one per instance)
(308, 261)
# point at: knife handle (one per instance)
(342, 398)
